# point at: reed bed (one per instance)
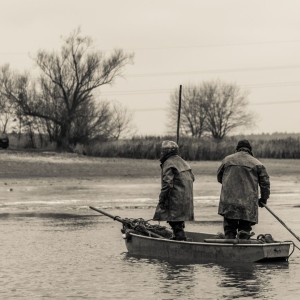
(196, 149)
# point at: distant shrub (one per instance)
(281, 146)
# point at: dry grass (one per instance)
(20, 164)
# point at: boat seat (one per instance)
(233, 241)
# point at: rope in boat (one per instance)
(293, 249)
(265, 238)
(294, 246)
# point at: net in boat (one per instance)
(143, 227)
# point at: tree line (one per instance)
(60, 104)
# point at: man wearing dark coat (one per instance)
(242, 176)
(176, 196)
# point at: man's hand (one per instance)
(262, 201)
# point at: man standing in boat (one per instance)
(241, 176)
(176, 196)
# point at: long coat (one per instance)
(176, 191)
(241, 176)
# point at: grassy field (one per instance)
(17, 164)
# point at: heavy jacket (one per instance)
(240, 175)
(176, 191)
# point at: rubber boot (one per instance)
(178, 231)
(230, 235)
(244, 235)
(180, 235)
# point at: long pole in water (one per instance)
(270, 211)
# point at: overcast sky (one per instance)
(255, 44)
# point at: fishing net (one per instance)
(143, 227)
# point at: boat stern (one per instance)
(280, 251)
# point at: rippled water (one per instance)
(62, 249)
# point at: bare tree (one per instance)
(92, 122)
(6, 113)
(193, 111)
(120, 124)
(64, 96)
(12, 87)
(226, 106)
(212, 107)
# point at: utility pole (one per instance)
(179, 111)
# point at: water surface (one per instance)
(56, 247)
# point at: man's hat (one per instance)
(243, 144)
(169, 145)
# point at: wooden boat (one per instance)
(204, 247)
(142, 240)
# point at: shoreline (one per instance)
(71, 165)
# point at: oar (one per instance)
(115, 218)
(294, 234)
(124, 221)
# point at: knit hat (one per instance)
(169, 145)
(243, 144)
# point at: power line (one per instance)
(149, 109)
(13, 53)
(255, 103)
(161, 91)
(275, 102)
(217, 45)
(264, 68)
(272, 84)
(136, 92)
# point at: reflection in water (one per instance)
(68, 221)
(249, 280)
(210, 281)
(174, 281)
(243, 279)
(47, 215)
(177, 280)
(72, 222)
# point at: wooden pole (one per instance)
(179, 111)
(282, 223)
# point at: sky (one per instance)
(254, 44)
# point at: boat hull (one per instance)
(199, 251)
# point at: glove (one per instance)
(260, 201)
